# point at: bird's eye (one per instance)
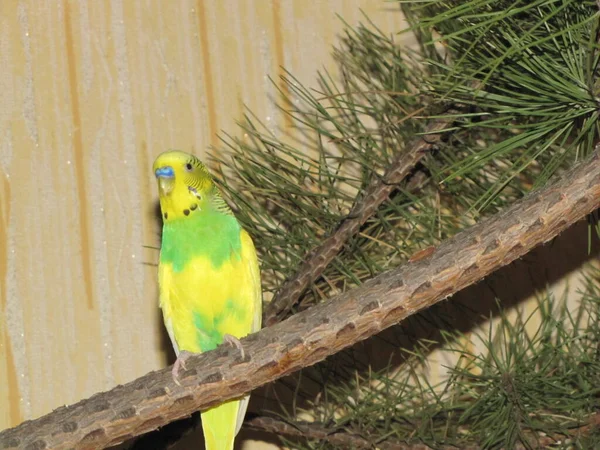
(188, 167)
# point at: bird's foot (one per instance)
(232, 340)
(180, 364)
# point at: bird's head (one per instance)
(184, 184)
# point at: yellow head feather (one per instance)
(184, 184)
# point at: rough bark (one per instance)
(309, 337)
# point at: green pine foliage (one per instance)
(520, 80)
(529, 70)
(523, 388)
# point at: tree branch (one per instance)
(347, 439)
(309, 337)
(376, 193)
(316, 431)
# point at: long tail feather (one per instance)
(219, 425)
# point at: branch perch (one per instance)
(309, 337)
(376, 193)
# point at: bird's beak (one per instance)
(166, 179)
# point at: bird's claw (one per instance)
(235, 342)
(179, 364)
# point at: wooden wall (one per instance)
(90, 93)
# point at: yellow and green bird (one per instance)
(208, 276)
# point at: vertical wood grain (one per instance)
(207, 71)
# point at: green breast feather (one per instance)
(213, 235)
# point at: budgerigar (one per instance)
(208, 276)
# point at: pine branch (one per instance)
(376, 193)
(308, 337)
(316, 431)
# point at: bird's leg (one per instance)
(232, 340)
(180, 364)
